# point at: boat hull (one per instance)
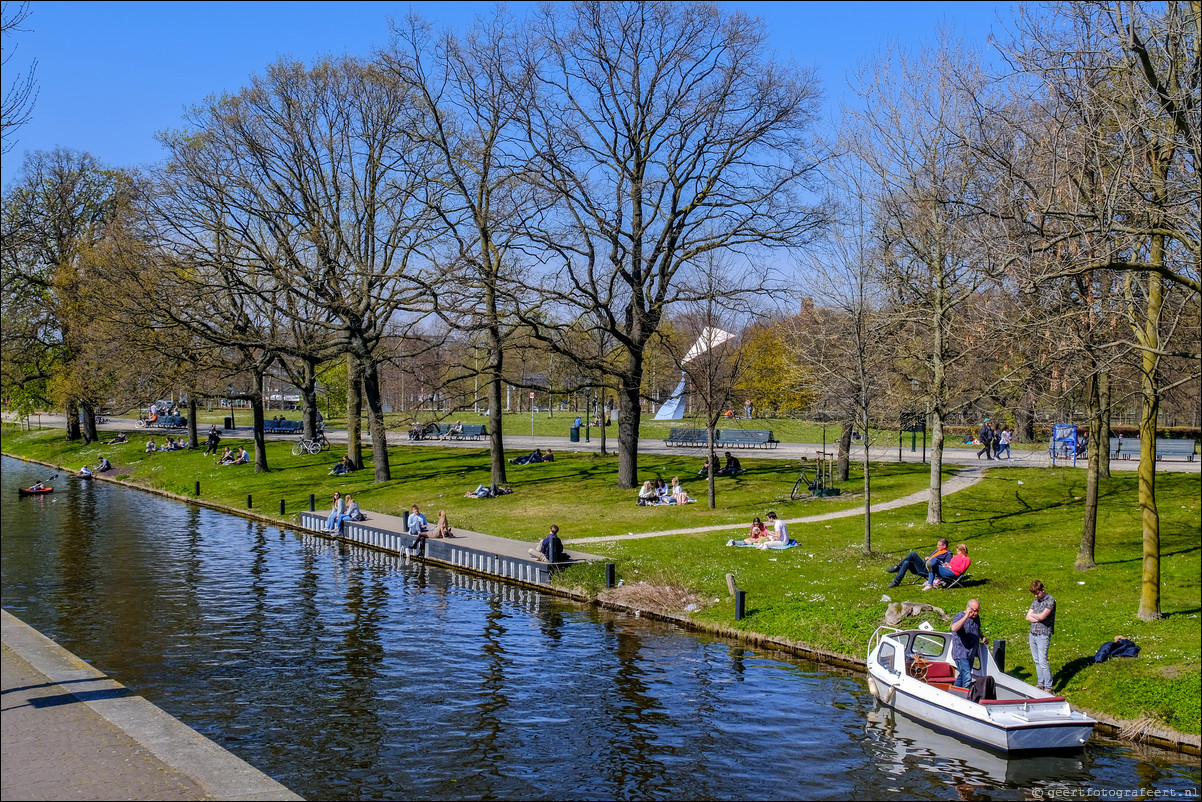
(1043, 731)
(1010, 716)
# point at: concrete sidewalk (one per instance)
(69, 732)
(953, 454)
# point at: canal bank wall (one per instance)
(70, 732)
(1141, 732)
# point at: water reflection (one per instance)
(347, 674)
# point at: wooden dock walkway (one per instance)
(470, 551)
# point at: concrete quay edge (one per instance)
(220, 774)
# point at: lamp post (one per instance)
(914, 420)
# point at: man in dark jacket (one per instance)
(550, 549)
(214, 440)
(986, 438)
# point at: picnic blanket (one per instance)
(771, 546)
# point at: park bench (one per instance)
(1175, 448)
(166, 422)
(1123, 449)
(746, 438)
(688, 437)
(471, 431)
(283, 426)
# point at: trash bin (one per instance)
(574, 434)
(229, 424)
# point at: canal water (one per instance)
(346, 674)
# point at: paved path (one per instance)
(952, 454)
(963, 478)
(69, 732)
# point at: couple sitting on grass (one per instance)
(761, 538)
(941, 568)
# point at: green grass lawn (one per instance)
(1019, 524)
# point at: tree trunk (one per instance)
(1024, 421)
(843, 467)
(256, 405)
(867, 493)
(1149, 595)
(1104, 403)
(87, 422)
(73, 432)
(935, 503)
(193, 427)
(308, 391)
(379, 434)
(711, 478)
(629, 415)
(496, 439)
(354, 411)
(1089, 526)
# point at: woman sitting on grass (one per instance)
(758, 534)
(679, 495)
(647, 496)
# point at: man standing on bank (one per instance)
(966, 643)
(1042, 616)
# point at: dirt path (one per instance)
(966, 477)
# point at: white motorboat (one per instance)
(912, 671)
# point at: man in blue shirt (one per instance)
(550, 549)
(966, 641)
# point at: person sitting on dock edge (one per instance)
(550, 548)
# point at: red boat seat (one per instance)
(940, 672)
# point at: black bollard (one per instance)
(740, 604)
(998, 650)
(198, 488)
(312, 502)
(281, 506)
(609, 575)
(249, 504)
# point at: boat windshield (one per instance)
(928, 644)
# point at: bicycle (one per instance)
(314, 446)
(812, 479)
(806, 480)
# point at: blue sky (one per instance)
(112, 74)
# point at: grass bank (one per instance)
(1019, 524)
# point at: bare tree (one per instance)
(933, 245)
(1102, 172)
(308, 182)
(713, 364)
(471, 94)
(848, 347)
(660, 131)
(22, 92)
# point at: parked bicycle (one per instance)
(813, 479)
(315, 445)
